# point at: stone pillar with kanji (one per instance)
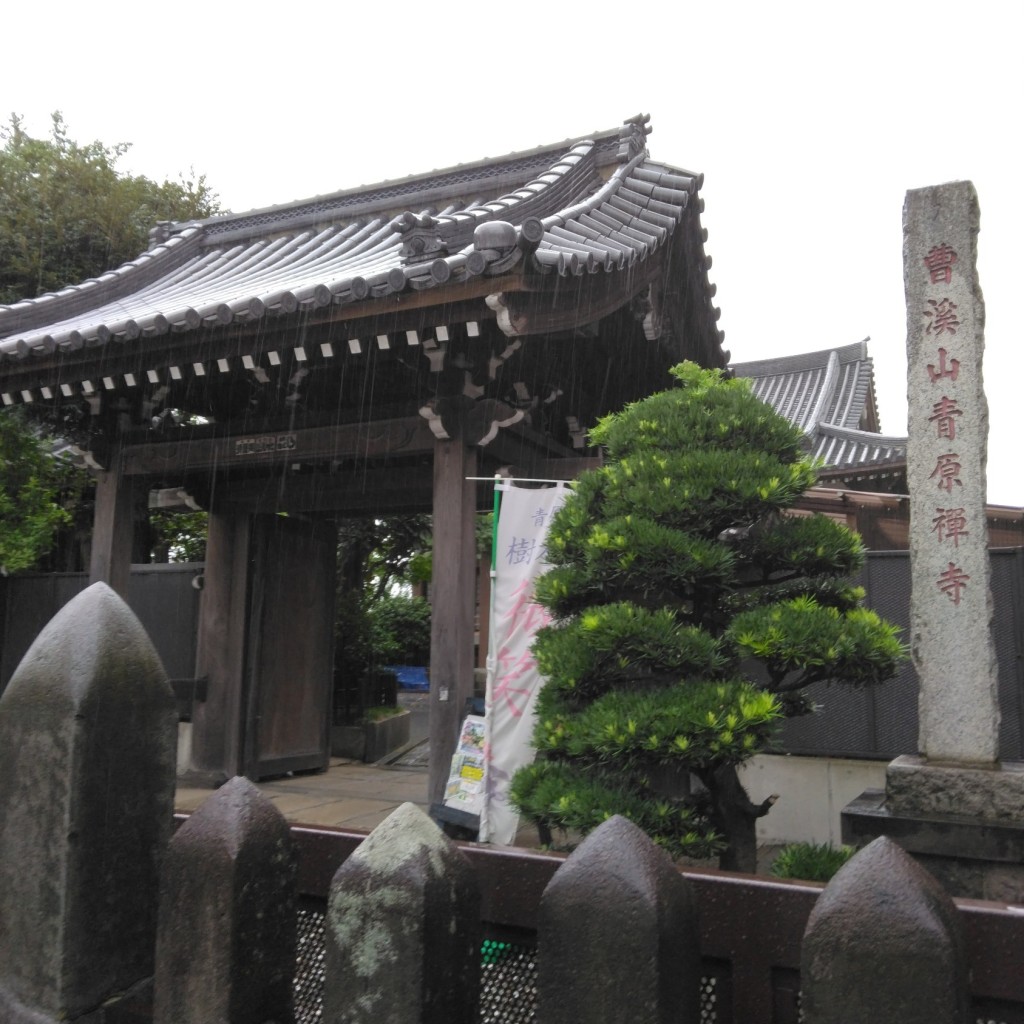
(951, 603)
(953, 804)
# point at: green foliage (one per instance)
(376, 555)
(612, 645)
(376, 621)
(674, 568)
(31, 485)
(811, 862)
(178, 536)
(557, 797)
(67, 214)
(702, 723)
(800, 642)
(399, 630)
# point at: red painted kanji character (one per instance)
(939, 261)
(952, 581)
(525, 614)
(950, 524)
(511, 669)
(952, 371)
(942, 416)
(947, 469)
(942, 316)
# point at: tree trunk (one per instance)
(735, 816)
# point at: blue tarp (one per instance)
(410, 677)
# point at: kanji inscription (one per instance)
(952, 371)
(944, 414)
(950, 524)
(952, 581)
(950, 601)
(941, 317)
(939, 261)
(947, 469)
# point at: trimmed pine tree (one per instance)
(690, 614)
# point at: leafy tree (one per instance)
(690, 613)
(373, 627)
(32, 483)
(400, 630)
(177, 536)
(67, 214)
(377, 554)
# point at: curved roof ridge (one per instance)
(857, 350)
(420, 190)
(109, 286)
(856, 434)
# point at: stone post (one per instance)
(884, 943)
(403, 929)
(617, 937)
(88, 727)
(951, 603)
(953, 804)
(227, 934)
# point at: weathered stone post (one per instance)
(952, 804)
(617, 938)
(403, 929)
(88, 728)
(951, 601)
(884, 943)
(227, 932)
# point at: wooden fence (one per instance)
(108, 918)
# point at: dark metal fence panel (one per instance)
(1008, 629)
(881, 722)
(751, 935)
(162, 596)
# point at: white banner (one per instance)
(512, 677)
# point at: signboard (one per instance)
(465, 788)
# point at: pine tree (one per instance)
(690, 613)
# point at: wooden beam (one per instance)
(408, 435)
(386, 489)
(453, 604)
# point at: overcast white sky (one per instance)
(809, 121)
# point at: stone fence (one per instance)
(105, 918)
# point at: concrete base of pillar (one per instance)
(972, 856)
(991, 792)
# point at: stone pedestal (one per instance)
(964, 824)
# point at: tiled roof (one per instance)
(596, 206)
(830, 396)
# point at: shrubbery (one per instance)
(690, 613)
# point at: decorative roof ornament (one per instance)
(633, 137)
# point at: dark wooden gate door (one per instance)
(290, 646)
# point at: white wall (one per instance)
(184, 747)
(812, 793)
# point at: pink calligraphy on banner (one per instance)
(512, 678)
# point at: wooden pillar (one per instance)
(110, 558)
(484, 584)
(453, 603)
(217, 722)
